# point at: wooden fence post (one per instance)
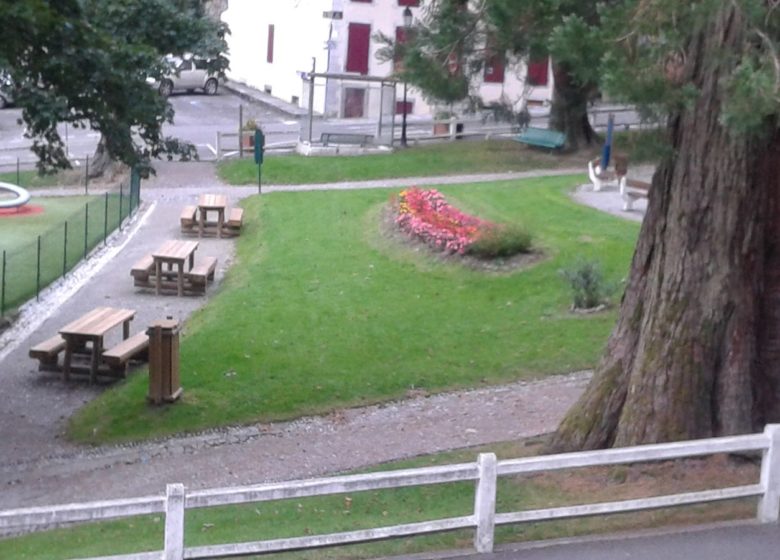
(769, 503)
(485, 503)
(174, 522)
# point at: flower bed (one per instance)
(425, 214)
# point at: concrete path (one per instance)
(37, 466)
(721, 542)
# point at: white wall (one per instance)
(300, 33)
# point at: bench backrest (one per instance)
(542, 137)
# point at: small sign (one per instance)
(259, 146)
(333, 15)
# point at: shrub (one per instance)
(587, 283)
(503, 240)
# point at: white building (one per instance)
(274, 42)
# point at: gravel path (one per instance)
(37, 466)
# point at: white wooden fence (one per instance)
(484, 518)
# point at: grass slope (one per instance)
(451, 158)
(491, 156)
(321, 311)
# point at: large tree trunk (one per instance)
(101, 161)
(569, 110)
(696, 350)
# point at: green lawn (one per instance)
(321, 311)
(451, 158)
(33, 180)
(436, 159)
(319, 515)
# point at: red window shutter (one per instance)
(400, 39)
(357, 47)
(537, 72)
(494, 69)
(270, 55)
(412, 3)
(399, 107)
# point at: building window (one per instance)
(270, 56)
(357, 47)
(354, 102)
(399, 107)
(494, 69)
(537, 72)
(411, 3)
(364, 1)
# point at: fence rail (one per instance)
(27, 269)
(484, 519)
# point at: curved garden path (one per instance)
(37, 466)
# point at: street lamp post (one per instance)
(407, 24)
(403, 119)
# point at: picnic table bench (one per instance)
(202, 273)
(631, 190)
(234, 222)
(345, 138)
(541, 137)
(188, 219)
(91, 329)
(194, 219)
(172, 268)
(47, 352)
(119, 356)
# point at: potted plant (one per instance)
(248, 133)
(440, 127)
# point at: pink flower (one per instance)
(425, 214)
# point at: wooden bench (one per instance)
(135, 347)
(541, 137)
(631, 190)
(46, 352)
(142, 270)
(234, 220)
(202, 273)
(345, 138)
(601, 178)
(187, 219)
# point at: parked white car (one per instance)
(188, 74)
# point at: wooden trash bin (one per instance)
(164, 382)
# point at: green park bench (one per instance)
(542, 138)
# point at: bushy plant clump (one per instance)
(501, 240)
(588, 286)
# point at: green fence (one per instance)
(26, 270)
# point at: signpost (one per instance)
(259, 147)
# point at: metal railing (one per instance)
(27, 269)
(485, 471)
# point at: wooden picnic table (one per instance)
(211, 203)
(173, 253)
(92, 328)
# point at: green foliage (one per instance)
(503, 240)
(588, 286)
(651, 60)
(86, 62)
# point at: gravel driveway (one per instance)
(37, 466)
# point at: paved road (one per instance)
(722, 542)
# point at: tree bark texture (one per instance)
(569, 110)
(696, 350)
(101, 160)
